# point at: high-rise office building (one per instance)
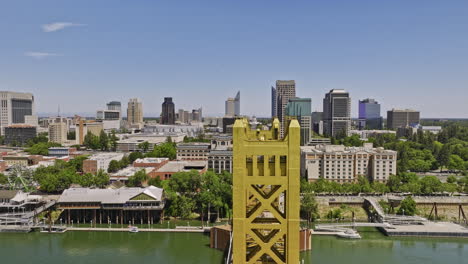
(300, 109)
(285, 90)
(58, 132)
(135, 113)
(168, 112)
(369, 114)
(19, 134)
(317, 122)
(337, 113)
(398, 118)
(273, 102)
(114, 106)
(232, 106)
(14, 107)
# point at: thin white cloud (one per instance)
(40, 55)
(59, 26)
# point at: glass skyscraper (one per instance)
(369, 114)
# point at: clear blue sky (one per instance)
(405, 54)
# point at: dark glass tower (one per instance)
(168, 112)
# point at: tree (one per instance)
(451, 179)
(156, 181)
(134, 156)
(101, 179)
(430, 184)
(103, 141)
(144, 146)
(444, 156)
(456, 163)
(181, 206)
(113, 140)
(165, 150)
(114, 166)
(3, 179)
(41, 148)
(309, 207)
(71, 135)
(407, 207)
(138, 179)
(91, 141)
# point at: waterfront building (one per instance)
(135, 113)
(345, 164)
(100, 161)
(284, 91)
(193, 151)
(14, 107)
(369, 115)
(398, 118)
(19, 134)
(300, 109)
(122, 206)
(168, 112)
(58, 132)
(337, 113)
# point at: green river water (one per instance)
(123, 247)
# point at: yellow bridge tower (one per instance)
(266, 194)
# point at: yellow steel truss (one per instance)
(266, 194)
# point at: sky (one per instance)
(79, 55)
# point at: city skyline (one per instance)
(405, 55)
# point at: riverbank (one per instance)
(193, 248)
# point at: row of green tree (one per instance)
(422, 152)
(190, 193)
(62, 175)
(403, 182)
(102, 142)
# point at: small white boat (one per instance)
(133, 229)
(349, 234)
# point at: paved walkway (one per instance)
(178, 230)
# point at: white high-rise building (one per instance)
(232, 106)
(14, 107)
(58, 132)
(284, 91)
(135, 113)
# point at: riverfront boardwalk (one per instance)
(176, 230)
(428, 229)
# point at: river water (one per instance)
(123, 247)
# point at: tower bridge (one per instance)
(266, 194)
